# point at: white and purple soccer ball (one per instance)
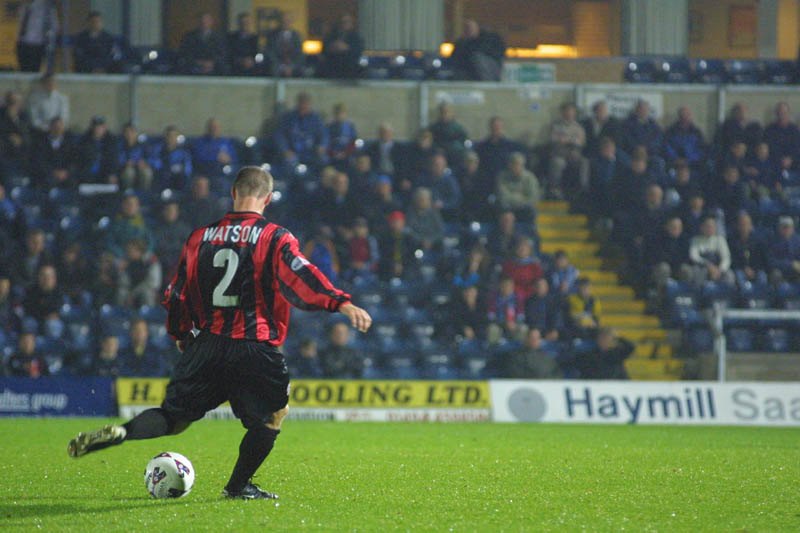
(169, 475)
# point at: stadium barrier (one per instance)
(626, 402)
(57, 396)
(345, 400)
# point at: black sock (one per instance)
(148, 425)
(255, 447)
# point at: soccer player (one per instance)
(235, 282)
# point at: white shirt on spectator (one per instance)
(35, 25)
(44, 107)
(713, 249)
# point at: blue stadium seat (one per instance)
(780, 72)
(755, 295)
(776, 340)
(439, 366)
(441, 69)
(411, 68)
(80, 336)
(156, 314)
(681, 305)
(710, 71)
(376, 67)
(739, 339)
(402, 368)
(677, 70)
(641, 71)
(714, 292)
(744, 71)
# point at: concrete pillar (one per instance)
(402, 24)
(655, 27)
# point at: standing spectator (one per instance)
(478, 54)
(171, 162)
(518, 189)
(200, 208)
(599, 125)
(108, 363)
(495, 149)
(26, 362)
(784, 254)
(710, 254)
(506, 313)
(531, 361)
(607, 360)
(385, 152)
(128, 224)
(286, 49)
(306, 363)
(424, 220)
(134, 170)
(301, 136)
(212, 151)
(666, 254)
(27, 264)
(140, 275)
(15, 137)
(37, 32)
(543, 311)
(141, 358)
(524, 268)
(584, 309)
(56, 154)
(448, 134)
(397, 248)
(607, 166)
(169, 236)
(341, 50)
(97, 156)
(783, 136)
(338, 359)
(96, 50)
(342, 134)
(684, 140)
(736, 128)
(44, 300)
(243, 46)
(564, 274)
(640, 129)
(46, 104)
(567, 140)
(202, 50)
(466, 317)
(748, 251)
(363, 250)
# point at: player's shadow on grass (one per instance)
(31, 509)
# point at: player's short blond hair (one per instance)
(253, 181)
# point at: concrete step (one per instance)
(629, 320)
(563, 234)
(600, 277)
(622, 306)
(587, 262)
(613, 291)
(552, 206)
(573, 248)
(637, 335)
(647, 350)
(654, 369)
(562, 220)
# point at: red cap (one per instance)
(395, 215)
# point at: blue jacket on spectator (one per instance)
(782, 140)
(341, 135)
(206, 149)
(647, 133)
(784, 252)
(133, 153)
(685, 143)
(445, 189)
(149, 363)
(178, 161)
(302, 134)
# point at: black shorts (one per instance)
(251, 375)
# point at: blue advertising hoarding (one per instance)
(57, 396)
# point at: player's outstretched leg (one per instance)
(148, 424)
(253, 450)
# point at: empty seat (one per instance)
(744, 71)
(739, 339)
(710, 71)
(678, 70)
(776, 340)
(640, 71)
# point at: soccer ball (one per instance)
(169, 475)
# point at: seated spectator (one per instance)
(171, 162)
(607, 360)
(15, 137)
(503, 236)
(46, 104)
(495, 149)
(684, 140)
(107, 364)
(564, 274)
(212, 151)
(629, 190)
(476, 270)
(381, 203)
(543, 311)
(338, 205)
(105, 281)
(26, 266)
(397, 248)
(56, 154)
(439, 179)
(531, 361)
(385, 152)
(505, 313)
(641, 129)
(567, 140)
(730, 195)
(448, 135)
(784, 253)
(648, 220)
(338, 359)
(140, 275)
(342, 134)
(683, 185)
(363, 178)
(43, 302)
(748, 251)
(424, 220)
(9, 320)
(134, 170)
(467, 317)
(600, 124)
(760, 171)
(477, 190)
(736, 156)
(202, 50)
(518, 189)
(783, 136)
(693, 212)
(169, 235)
(97, 156)
(25, 362)
(736, 128)
(128, 224)
(415, 161)
(306, 364)
(523, 267)
(96, 50)
(363, 250)
(285, 48)
(666, 253)
(73, 271)
(607, 167)
(478, 54)
(321, 251)
(200, 208)
(243, 46)
(341, 50)
(583, 309)
(710, 254)
(12, 223)
(141, 358)
(301, 136)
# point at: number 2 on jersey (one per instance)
(229, 260)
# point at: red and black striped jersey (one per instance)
(238, 276)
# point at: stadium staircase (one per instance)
(621, 310)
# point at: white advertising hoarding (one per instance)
(621, 103)
(626, 402)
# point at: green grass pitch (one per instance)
(378, 477)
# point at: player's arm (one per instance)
(305, 287)
(179, 319)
